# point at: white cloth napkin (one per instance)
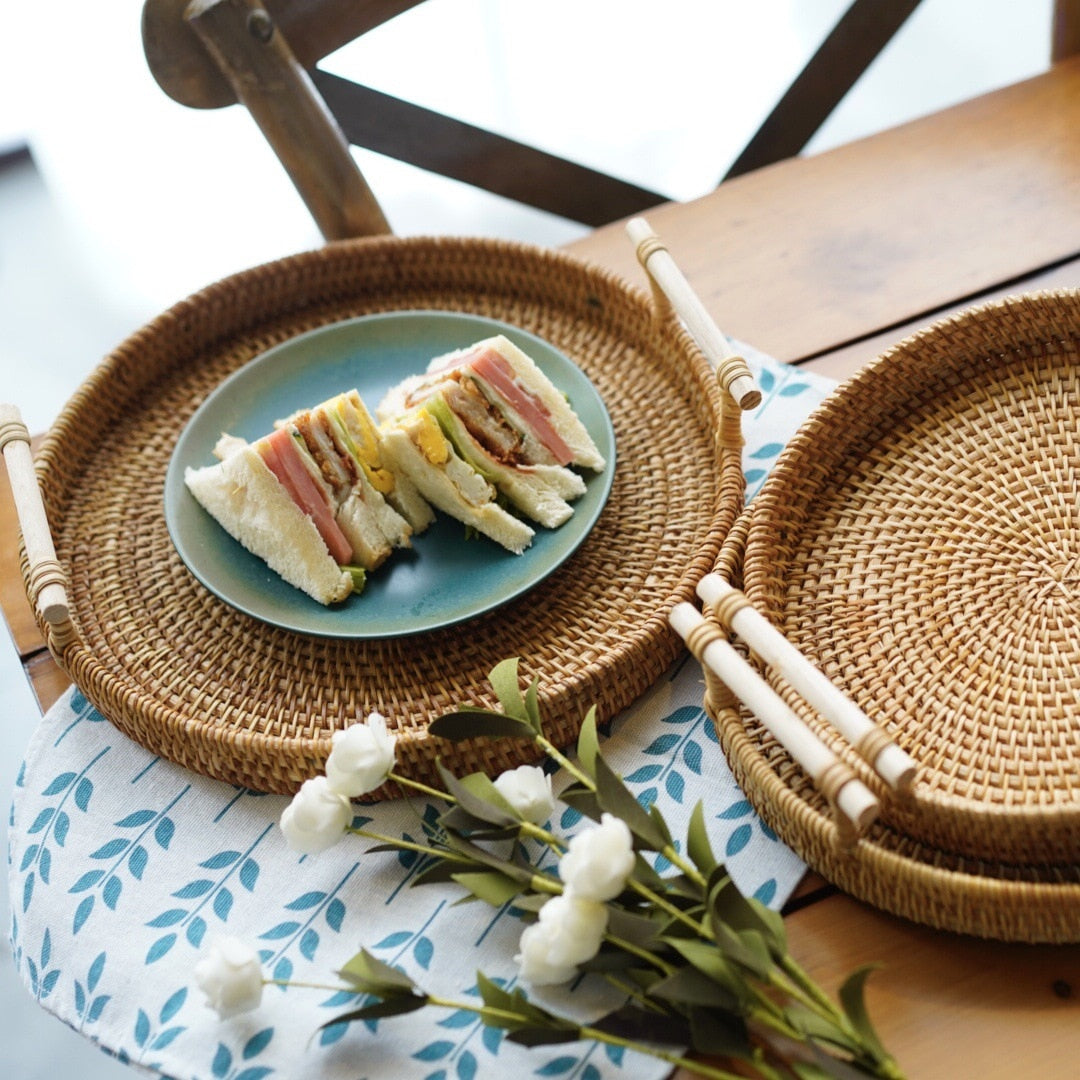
(122, 866)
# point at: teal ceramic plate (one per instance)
(445, 578)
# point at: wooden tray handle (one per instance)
(46, 580)
(670, 286)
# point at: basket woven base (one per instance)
(225, 695)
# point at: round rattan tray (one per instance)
(237, 699)
(919, 539)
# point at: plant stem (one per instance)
(560, 758)
(634, 993)
(665, 905)
(408, 845)
(667, 850)
(801, 979)
(302, 985)
(642, 954)
(424, 789)
(697, 1067)
(535, 832)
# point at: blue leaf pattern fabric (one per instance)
(123, 866)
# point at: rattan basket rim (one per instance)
(997, 901)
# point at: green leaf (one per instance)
(504, 681)
(728, 907)
(531, 901)
(474, 723)
(532, 706)
(632, 1022)
(392, 1006)
(688, 986)
(490, 886)
(639, 930)
(582, 799)
(478, 796)
(852, 997)
(457, 819)
(661, 825)
(611, 958)
(809, 1070)
(746, 948)
(645, 874)
(615, 798)
(588, 744)
(513, 1010)
(817, 1027)
(542, 1036)
(493, 995)
(709, 960)
(697, 841)
(439, 873)
(720, 1035)
(680, 887)
(837, 1069)
(369, 973)
(482, 857)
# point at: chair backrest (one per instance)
(265, 54)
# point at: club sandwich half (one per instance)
(316, 499)
(487, 438)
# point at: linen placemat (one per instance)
(122, 866)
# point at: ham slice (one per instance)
(499, 375)
(283, 460)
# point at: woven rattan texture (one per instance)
(920, 539)
(230, 697)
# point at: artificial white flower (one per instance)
(576, 927)
(535, 961)
(360, 757)
(230, 975)
(569, 931)
(598, 861)
(317, 817)
(528, 790)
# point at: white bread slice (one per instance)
(410, 504)
(455, 488)
(245, 498)
(357, 521)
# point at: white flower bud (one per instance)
(230, 975)
(528, 790)
(570, 931)
(317, 817)
(534, 959)
(360, 757)
(575, 928)
(598, 861)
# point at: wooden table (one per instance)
(823, 262)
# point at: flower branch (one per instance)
(702, 966)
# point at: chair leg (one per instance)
(1065, 40)
(268, 80)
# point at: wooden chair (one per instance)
(265, 54)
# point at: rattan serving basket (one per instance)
(919, 539)
(229, 696)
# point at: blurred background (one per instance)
(115, 202)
